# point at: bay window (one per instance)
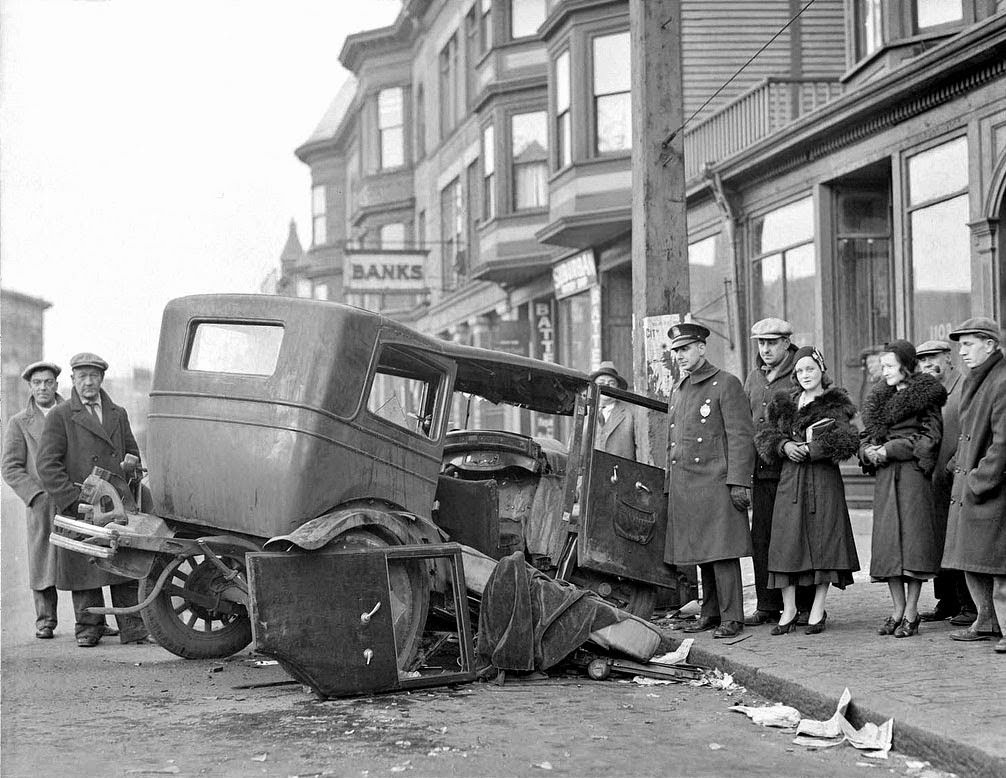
(526, 17)
(488, 173)
(529, 152)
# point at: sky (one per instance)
(146, 152)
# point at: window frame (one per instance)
(450, 242)
(437, 380)
(447, 80)
(319, 217)
(490, 201)
(563, 122)
(512, 16)
(514, 165)
(593, 124)
(381, 130)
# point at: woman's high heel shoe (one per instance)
(889, 626)
(818, 627)
(782, 629)
(907, 628)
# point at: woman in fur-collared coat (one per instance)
(812, 542)
(902, 431)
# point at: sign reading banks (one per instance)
(384, 271)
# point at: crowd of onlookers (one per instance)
(934, 440)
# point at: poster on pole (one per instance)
(661, 371)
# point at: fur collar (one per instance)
(886, 406)
(833, 404)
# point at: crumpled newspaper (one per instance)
(874, 741)
(717, 679)
(777, 715)
(677, 656)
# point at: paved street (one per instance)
(126, 710)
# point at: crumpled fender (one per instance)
(407, 528)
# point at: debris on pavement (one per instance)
(777, 715)
(542, 765)
(260, 757)
(874, 741)
(717, 679)
(678, 655)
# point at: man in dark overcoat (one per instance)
(976, 527)
(619, 428)
(772, 374)
(88, 431)
(20, 453)
(952, 598)
(710, 459)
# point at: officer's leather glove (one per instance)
(740, 496)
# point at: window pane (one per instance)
(392, 236)
(562, 82)
(250, 349)
(392, 148)
(870, 26)
(529, 137)
(793, 223)
(611, 64)
(801, 295)
(321, 291)
(389, 108)
(489, 150)
(404, 392)
(319, 231)
(526, 17)
(941, 267)
(614, 122)
(530, 186)
(304, 288)
(930, 13)
(939, 171)
(767, 286)
(318, 200)
(565, 133)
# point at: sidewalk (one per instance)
(947, 699)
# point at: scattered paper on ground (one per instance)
(642, 680)
(680, 654)
(770, 715)
(873, 740)
(717, 679)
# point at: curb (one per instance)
(943, 752)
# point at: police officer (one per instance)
(710, 458)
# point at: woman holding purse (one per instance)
(810, 431)
(902, 430)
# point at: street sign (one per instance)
(385, 271)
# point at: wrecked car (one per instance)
(304, 427)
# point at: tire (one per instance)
(410, 590)
(188, 629)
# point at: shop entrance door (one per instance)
(864, 277)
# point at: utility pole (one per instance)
(659, 229)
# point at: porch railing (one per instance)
(766, 107)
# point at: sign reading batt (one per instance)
(385, 271)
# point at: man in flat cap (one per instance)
(20, 455)
(952, 598)
(710, 458)
(619, 428)
(772, 374)
(85, 432)
(976, 526)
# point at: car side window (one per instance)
(406, 390)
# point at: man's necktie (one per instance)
(93, 408)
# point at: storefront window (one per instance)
(784, 270)
(529, 147)
(940, 239)
(706, 275)
(612, 104)
(563, 125)
(390, 126)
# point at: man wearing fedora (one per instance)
(618, 430)
(710, 459)
(976, 526)
(88, 431)
(772, 374)
(952, 598)
(20, 455)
